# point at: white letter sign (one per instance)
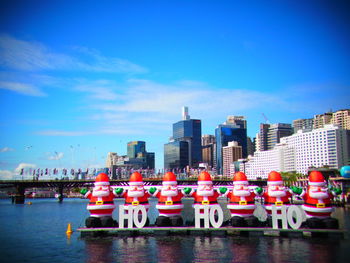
(208, 215)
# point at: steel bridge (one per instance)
(21, 185)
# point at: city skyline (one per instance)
(80, 79)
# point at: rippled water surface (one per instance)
(36, 233)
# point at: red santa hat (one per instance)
(136, 179)
(274, 178)
(102, 179)
(316, 179)
(240, 178)
(169, 178)
(204, 178)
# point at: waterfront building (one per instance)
(261, 137)
(190, 131)
(270, 134)
(303, 124)
(276, 132)
(234, 129)
(230, 153)
(176, 155)
(341, 118)
(136, 149)
(322, 119)
(324, 147)
(250, 146)
(208, 150)
(111, 159)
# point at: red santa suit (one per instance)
(317, 200)
(205, 194)
(241, 199)
(169, 197)
(101, 198)
(136, 194)
(276, 193)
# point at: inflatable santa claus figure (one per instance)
(205, 193)
(169, 201)
(242, 202)
(277, 194)
(135, 194)
(101, 203)
(318, 202)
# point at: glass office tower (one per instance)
(234, 129)
(176, 155)
(189, 131)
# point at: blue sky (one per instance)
(79, 79)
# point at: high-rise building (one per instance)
(190, 131)
(230, 153)
(136, 149)
(341, 118)
(322, 119)
(261, 137)
(250, 146)
(112, 159)
(234, 129)
(276, 132)
(328, 146)
(176, 155)
(270, 134)
(303, 124)
(208, 150)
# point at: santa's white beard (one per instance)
(100, 193)
(241, 192)
(318, 195)
(205, 192)
(169, 192)
(135, 193)
(276, 193)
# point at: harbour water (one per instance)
(36, 233)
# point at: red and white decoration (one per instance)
(317, 199)
(277, 194)
(101, 198)
(136, 193)
(241, 198)
(169, 196)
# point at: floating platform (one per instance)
(222, 231)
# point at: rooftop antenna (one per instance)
(185, 115)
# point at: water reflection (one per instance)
(173, 249)
(99, 250)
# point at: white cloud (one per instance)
(6, 175)
(6, 149)
(56, 156)
(63, 133)
(98, 90)
(33, 56)
(22, 88)
(24, 166)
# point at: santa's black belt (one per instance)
(169, 203)
(205, 203)
(319, 205)
(277, 203)
(137, 203)
(243, 203)
(101, 203)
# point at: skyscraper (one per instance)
(230, 153)
(189, 131)
(136, 149)
(303, 124)
(208, 150)
(270, 135)
(234, 129)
